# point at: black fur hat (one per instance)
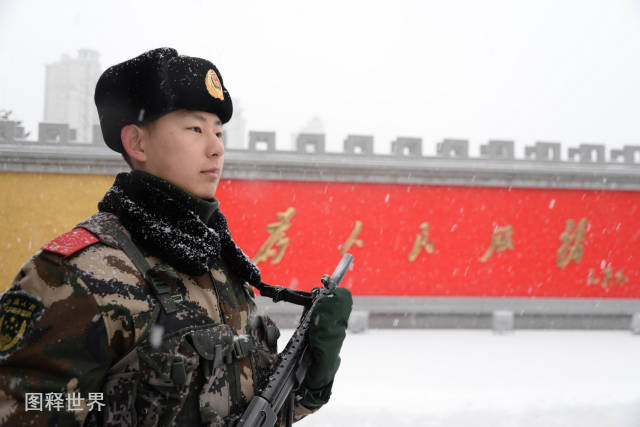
(153, 84)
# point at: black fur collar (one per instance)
(168, 223)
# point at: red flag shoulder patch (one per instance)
(71, 242)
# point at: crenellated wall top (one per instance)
(586, 166)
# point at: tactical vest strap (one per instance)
(127, 245)
(156, 276)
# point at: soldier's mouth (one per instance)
(214, 172)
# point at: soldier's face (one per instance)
(185, 148)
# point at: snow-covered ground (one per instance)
(456, 378)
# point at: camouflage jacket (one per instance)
(83, 340)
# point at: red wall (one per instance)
(461, 222)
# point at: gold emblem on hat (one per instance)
(214, 87)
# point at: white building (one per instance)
(69, 87)
(236, 130)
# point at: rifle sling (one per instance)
(280, 293)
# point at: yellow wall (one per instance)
(37, 207)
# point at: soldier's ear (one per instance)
(133, 142)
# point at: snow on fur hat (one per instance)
(142, 89)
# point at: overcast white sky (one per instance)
(528, 70)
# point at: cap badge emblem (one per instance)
(214, 87)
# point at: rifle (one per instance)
(292, 365)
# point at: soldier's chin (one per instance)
(208, 191)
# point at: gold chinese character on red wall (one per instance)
(571, 237)
(353, 239)
(501, 239)
(422, 241)
(607, 278)
(278, 238)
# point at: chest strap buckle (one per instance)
(159, 278)
(242, 346)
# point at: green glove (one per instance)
(326, 332)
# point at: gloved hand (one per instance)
(326, 332)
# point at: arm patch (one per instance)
(71, 242)
(18, 312)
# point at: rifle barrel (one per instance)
(341, 270)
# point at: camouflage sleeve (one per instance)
(54, 347)
(300, 411)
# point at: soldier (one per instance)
(144, 314)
